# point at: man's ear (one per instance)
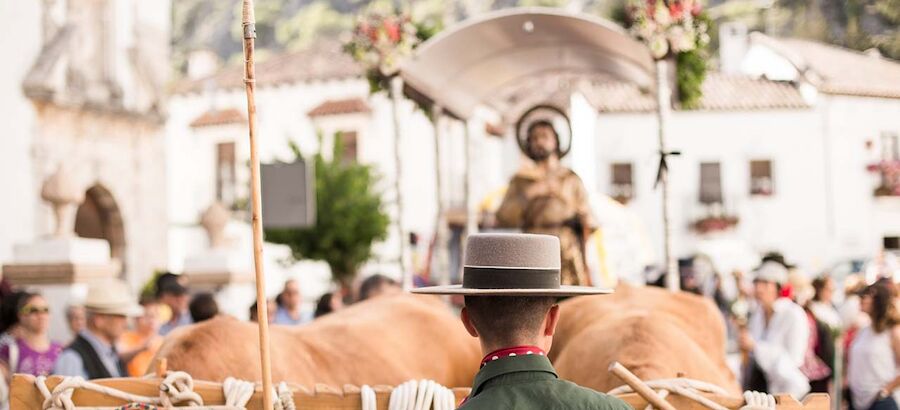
(551, 320)
(467, 322)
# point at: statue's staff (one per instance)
(248, 21)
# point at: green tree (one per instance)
(349, 217)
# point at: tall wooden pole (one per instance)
(248, 22)
(663, 108)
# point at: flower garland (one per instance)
(380, 42)
(674, 28)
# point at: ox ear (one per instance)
(467, 322)
(551, 320)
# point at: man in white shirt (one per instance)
(776, 337)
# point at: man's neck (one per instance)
(97, 334)
(488, 348)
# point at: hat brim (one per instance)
(561, 291)
(127, 311)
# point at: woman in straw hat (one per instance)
(511, 283)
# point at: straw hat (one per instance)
(773, 272)
(111, 297)
(512, 265)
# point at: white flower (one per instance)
(680, 39)
(659, 47)
(661, 14)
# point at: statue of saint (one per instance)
(547, 198)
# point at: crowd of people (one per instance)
(113, 334)
(787, 329)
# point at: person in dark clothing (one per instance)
(203, 307)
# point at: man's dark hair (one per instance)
(508, 320)
(323, 307)
(372, 283)
(203, 307)
(169, 283)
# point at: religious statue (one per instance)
(546, 197)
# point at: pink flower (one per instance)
(676, 10)
(696, 10)
(393, 30)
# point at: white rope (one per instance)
(368, 398)
(61, 396)
(671, 384)
(237, 392)
(284, 397)
(692, 390)
(414, 395)
(178, 388)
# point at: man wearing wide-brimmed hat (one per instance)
(511, 283)
(546, 197)
(93, 354)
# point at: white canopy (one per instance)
(495, 59)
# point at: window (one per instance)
(710, 183)
(225, 173)
(348, 142)
(891, 243)
(761, 182)
(621, 187)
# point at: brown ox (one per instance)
(654, 333)
(386, 340)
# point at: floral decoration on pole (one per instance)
(674, 29)
(380, 42)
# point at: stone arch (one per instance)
(99, 217)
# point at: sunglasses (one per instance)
(27, 310)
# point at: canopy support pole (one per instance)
(396, 94)
(663, 110)
(440, 229)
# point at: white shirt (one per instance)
(871, 366)
(826, 313)
(780, 346)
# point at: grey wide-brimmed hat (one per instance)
(512, 265)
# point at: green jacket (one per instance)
(530, 382)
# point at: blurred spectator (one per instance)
(271, 306)
(32, 352)
(139, 346)
(872, 372)
(818, 363)
(822, 306)
(172, 293)
(378, 285)
(328, 303)
(76, 318)
(777, 337)
(93, 354)
(203, 307)
(289, 301)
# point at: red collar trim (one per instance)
(512, 352)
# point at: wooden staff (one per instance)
(248, 21)
(639, 387)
